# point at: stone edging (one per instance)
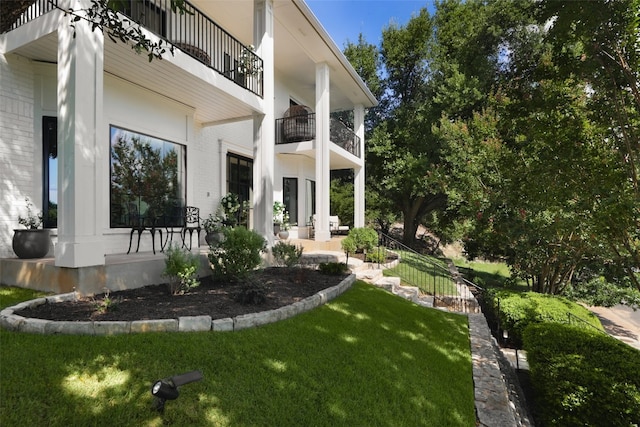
(13, 322)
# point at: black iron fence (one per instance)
(191, 31)
(35, 10)
(303, 128)
(435, 277)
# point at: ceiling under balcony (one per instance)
(300, 43)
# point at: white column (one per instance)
(323, 178)
(264, 125)
(359, 175)
(82, 145)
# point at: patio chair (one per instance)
(335, 227)
(191, 225)
(140, 223)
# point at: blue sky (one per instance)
(344, 20)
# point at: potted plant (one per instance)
(213, 228)
(280, 220)
(284, 227)
(230, 205)
(33, 241)
(249, 64)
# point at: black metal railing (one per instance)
(344, 137)
(192, 32)
(303, 128)
(197, 35)
(297, 128)
(431, 275)
(35, 10)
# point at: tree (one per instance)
(542, 184)
(434, 65)
(599, 43)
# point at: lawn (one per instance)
(429, 274)
(489, 274)
(367, 358)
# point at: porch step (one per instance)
(410, 293)
(369, 275)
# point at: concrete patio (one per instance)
(120, 271)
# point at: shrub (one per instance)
(333, 268)
(286, 254)
(181, 268)
(252, 292)
(517, 310)
(238, 254)
(364, 238)
(378, 255)
(582, 377)
(348, 245)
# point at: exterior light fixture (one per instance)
(167, 388)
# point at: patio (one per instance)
(120, 271)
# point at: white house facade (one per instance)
(243, 105)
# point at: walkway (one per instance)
(620, 322)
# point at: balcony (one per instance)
(302, 127)
(192, 32)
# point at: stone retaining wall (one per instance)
(11, 321)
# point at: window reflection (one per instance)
(147, 180)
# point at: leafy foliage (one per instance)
(360, 239)
(181, 268)
(341, 199)
(377, 255)
(582, 377)
(33, 220)
(238, 254)
(286, 254)
(517, 310)
(252, 292)
(333, 268)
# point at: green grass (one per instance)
(489, 274)
(416, 270)
(367, 358)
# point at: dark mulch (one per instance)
(213, 298)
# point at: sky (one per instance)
(344, 20)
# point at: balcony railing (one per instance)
(192, 32)
(344, 137)
(303, 128)
(36, 9)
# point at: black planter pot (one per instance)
(214, 237)
(31, 243)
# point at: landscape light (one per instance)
(167, 388)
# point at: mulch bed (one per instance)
(217, 299)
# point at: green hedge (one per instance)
(582, 377)
(516, 310)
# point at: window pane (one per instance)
(240, 181)
(290, 186)
(50, 171)
(147, 180)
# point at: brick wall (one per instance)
(16, 145)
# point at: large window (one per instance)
(240, 180)
(148, 180)
(290, 193)
(50, 171)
